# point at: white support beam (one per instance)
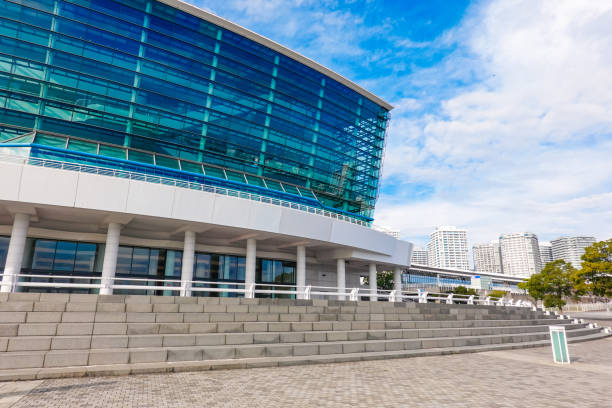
(251, 258)
(341, 277)
(300, 270)
(293, 244)
(14, 256)
(198, 229)
(187, 263)
(111, 250)
(242, 237)
(397, 279)
(373, 283)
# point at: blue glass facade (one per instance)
(72, 259)
(181, 93)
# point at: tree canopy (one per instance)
(551, 284)
(595, 276)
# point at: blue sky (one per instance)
(502, 107)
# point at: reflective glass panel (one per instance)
(44, 254)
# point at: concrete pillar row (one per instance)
(372, 281)
(187, 263)
(111, 251)
(397, 278)
(14, 256)
(341, 277)
(251, 258)
(300, 270)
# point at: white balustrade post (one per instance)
(373, 283)
(340, 277)
(14, 256)
(187, 263)
(249, 273)
(111, 250)
(300, 271)
(397, 279)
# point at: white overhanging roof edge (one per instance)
(221, 22)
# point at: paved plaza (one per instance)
(525, 378)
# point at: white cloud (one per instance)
(526, 147)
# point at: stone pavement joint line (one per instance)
(525, 378)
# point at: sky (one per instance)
(503, 108)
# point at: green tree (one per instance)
(595, 276)
(551, 284)
(497, 294)
(384, 280)
(462, 290)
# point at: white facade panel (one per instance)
(265, 218)
(232, 211)
(354, 235)
(193, 205)
(48, 186)
(71, 189)
(150, 199)
(297, 223)
(102, 193)
(9, 181)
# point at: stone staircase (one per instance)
(61, 335)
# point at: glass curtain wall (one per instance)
(145, 75)
(163, 265)
(4, 243)
(55, 258)
(275, 271)
(62, 258)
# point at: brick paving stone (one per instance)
(523, 378)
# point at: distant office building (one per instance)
(570, 249)
(545, 253)
(520, 254)
(419, 256)
(487, 258)
(448, 248)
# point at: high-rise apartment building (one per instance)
(545, 253)
(487, 258)
(448, 248)
(419, 256)
(570, 249)
(520, 254)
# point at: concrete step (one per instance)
(181, 366)
(205, 337)
(62, 358)
(83, 342)
(117, 316)
(88, 328)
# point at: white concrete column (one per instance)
(14, 256)
(341, 277)
(373, 283)
(109, 266)
(187, 263)
(397, 278)
(251, 258)
(300, 270)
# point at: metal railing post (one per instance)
(249, 291)
(307, 292)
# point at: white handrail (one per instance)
(183, 287)
(126, 174)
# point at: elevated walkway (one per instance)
(71, 335)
